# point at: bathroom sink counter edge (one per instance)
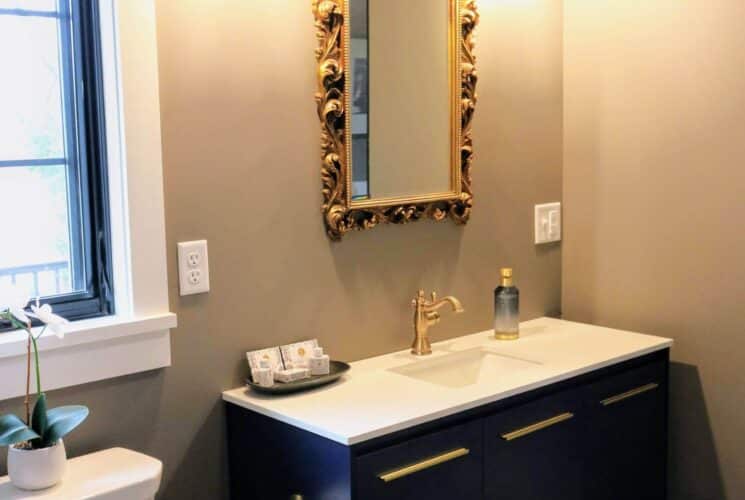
(396, 391)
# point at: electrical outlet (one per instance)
(195, 276)
(547, 223)
(193, 264)
(193, 259)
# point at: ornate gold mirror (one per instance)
(397, 93)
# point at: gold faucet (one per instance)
(426, 315)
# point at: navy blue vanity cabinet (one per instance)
(444, 465)
(626, 443)
(271, 460)
(598, 436)
(533, 451)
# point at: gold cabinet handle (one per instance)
(629, 394)
(537, 426)
(424, 464)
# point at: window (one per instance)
(111, 52)
(53, 179)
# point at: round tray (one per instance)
(336, 370)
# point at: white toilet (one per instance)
(113, 474)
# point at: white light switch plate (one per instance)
(547, 223)
(193, 267)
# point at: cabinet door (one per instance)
(627, 454)
(534, 452)
(445, 465)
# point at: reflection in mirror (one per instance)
(401, 105)
(360, 99)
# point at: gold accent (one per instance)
(507, 336)
(426, 315)
(506, 274)
(543, 424)
(424, 464)
(629, 394)
(340, 213)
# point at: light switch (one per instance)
(547, 223)
(193, 267)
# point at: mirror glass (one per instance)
(402, 103)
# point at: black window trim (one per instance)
(87, 141)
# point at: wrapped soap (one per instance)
(272, 356)
(299, 353)
(291, 374)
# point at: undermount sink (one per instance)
(464, 368)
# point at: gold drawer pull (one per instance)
(537, 426)
(629, 394)
(424, 464)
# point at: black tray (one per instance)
(337, 369)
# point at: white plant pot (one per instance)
(37, 469)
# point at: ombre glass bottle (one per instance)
(506, 308)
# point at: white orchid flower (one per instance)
(44, 314)
(14, 301)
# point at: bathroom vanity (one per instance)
(568, 411)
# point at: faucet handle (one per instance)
(419, 299)
(434, 297)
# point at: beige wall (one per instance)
(654, 202)
(241, 148)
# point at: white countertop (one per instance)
(372, 401)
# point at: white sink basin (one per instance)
(464, 368)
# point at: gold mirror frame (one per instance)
(340, 215)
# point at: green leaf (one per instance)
(62, 420)
(39, 418)
(13, 430)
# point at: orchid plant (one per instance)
(42, 428)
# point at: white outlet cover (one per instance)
(547, 223)
(193, 267)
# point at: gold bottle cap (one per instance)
(506, 273)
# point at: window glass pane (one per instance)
(52, 198)
(38, 258)
(43, 5)
(30, 99)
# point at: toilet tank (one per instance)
(113, 474)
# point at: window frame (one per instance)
(85, 159)
(137, 338)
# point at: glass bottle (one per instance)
(506, 308)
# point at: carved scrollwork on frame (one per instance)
(340, 214)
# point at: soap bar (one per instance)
(299, 353)
(272, 356)
(291, 375)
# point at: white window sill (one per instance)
(91, 350)
(137, 340)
